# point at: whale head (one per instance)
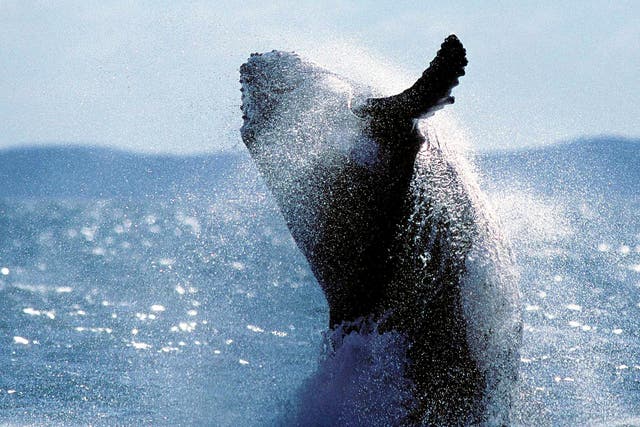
(301, 131)
(297, 114)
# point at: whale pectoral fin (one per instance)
(429, 93)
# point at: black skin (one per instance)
(357, 261)
(362, 266)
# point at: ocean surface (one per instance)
(194, 306)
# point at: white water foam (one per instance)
(360, 381)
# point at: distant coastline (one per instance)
(603, 163)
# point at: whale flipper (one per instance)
(394, 229)
(429, 93)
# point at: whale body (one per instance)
(393, 226)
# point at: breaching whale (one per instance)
(392, 225)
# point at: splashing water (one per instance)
(361, 380)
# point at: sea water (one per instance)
(199, 311)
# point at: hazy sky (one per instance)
(163, 76)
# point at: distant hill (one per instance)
(595, 166)
(588, 166)
(87, 172)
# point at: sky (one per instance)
(162, 76)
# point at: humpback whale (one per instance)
(393, 226)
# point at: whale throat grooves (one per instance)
(393, 226)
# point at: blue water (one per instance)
(201, 311)
(163, 313)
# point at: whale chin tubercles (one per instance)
(431, 92)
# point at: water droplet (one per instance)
(20, 340)
(157, 308)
